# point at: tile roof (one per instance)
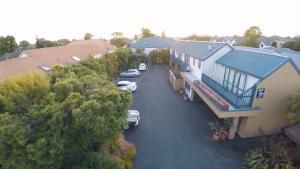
(255, 63)
(153, 42)
(52, 56)
(198, 49)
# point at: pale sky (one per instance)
(57, 19)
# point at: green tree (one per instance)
(125, 59)
(118, 39)
(251, 37)
(293, 108)
(7, 44)
(62, 42)
(145, 33)
(274, 44)
(64, 119)
(88, 36)
(24, 44)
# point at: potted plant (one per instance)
(215, 126)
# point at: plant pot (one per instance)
(185, 97)
(216, 136)
(223, 136)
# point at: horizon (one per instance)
(66, 19)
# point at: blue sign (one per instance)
(260, 93)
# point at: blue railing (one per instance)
(183, 66)
(243, 100)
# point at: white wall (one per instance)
(219, 73)
(250, 81)
(196, 72)
(209, 64)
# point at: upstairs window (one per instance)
(194, 61)
(76, 58)
(45, 68)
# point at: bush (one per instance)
(270, 156)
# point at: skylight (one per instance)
(45, 68)
(76, 58)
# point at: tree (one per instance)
(274, 44)
(118, 40)
(293, 108)
(163, 34)
(71, 118)
(136, 37)
(88, 36)
(198, 37)
(62, 42)
(7, 44)
(24, 44)
(293, 45)
(145, 32)
(125, 59)
(251, 37)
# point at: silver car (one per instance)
(133, 118)
(130, 73)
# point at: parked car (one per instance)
(130, 73)
(133, 118)
(143, 67)
(127, 85)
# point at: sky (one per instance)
(71, 19)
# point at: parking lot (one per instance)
(173, 133)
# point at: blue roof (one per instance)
(257, 64)
(198, 49)
(154, 42)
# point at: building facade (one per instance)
(246, 85)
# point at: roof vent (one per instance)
(45, 68)
(209, 47)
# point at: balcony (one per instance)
(183, 66)
(241, 101)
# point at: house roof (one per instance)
(255, 63)
(267, 41)
(32, 60)
(198, 49)
(154, 42)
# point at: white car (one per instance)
(133, 118)
(130, 73)
(127, 85)
(142, 67)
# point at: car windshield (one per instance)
(131, 71)
(121, 85)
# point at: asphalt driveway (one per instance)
(173, 133)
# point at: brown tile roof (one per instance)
(53, 56)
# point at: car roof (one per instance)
(132, 69)
(123, 82)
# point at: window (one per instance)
(234, 81)
(187, 59)
(199, 64)
(75, 58)
(194, 61)
(187, 86)
(45, 68)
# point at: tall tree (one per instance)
(145, 32)
(293, 108)
(163, 34)
(88, 36)
(24, 44)
(118, 39)
(251, 36)
(7, 44)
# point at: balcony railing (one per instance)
(243, 100)
(183, 66)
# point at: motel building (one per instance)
(246, 85)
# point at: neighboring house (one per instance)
(11, 55)
(144, 46)
(246, 85)
(266, 42)
(44, 59)
(230, 40)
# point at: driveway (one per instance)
(173, 133)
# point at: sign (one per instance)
(260, 93)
